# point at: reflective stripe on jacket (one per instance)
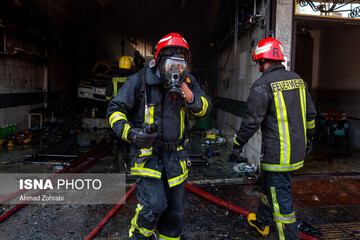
(279, 102)
(116, 82)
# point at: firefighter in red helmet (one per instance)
(279, 102)
(150, 112)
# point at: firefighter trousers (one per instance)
(276, 204)
(160, 207)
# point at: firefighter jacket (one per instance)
(116, 82)
(132, 108)
(279, 102)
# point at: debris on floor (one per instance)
(198, 160)
(244, 167)
(307, 228)
(211, 170)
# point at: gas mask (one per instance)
(173, 71)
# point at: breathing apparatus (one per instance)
(173, 71)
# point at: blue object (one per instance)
(339, 132)
(232, 159)
(210, 152)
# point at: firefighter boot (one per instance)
(262, 228)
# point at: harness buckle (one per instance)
(167, 146)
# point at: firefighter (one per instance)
(280, 103)
(115, 83)
(118, 80)
(150, 112)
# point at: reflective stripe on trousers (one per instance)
(181, 178)
(163, 237)
(277, 190)
(134, 225)
(279, 218)
(141, 170)
(159, 207)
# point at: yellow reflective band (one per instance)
(178, 180)
(236, 142)
(183, 166)
(280, 229)
(108, 98)
(276, 210)
(303, 110)
(119, 79)
(144, 231)
(281, 168)
(287, 85)
(274, 200)
(146, 152)
(310, 124)
(138, 208)
(146, 172)
(115, 88)
(125, 63)
(125, 132)
(131, 230)
(182, 122)
(116, 116)
(163, 237)
(283, 126)
(149, 116)
(264, 200)
(204, 107)
(179, 148)
(285, 218)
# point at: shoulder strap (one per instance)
(143, 87)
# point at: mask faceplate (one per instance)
(173, 71)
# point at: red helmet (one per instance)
(170, 40)
(268, 48)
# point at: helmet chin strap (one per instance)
(261, 65)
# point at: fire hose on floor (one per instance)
(21, 205)
(193, 189)
(110, 214)
(11, 196)
(231, 207)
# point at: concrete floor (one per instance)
(326, 194)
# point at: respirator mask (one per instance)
(173, 71)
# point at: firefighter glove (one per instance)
(235, 152)
(152, 128)
(236, 149)
(143, 137)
